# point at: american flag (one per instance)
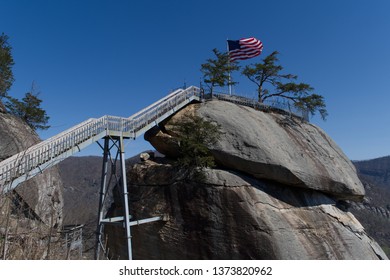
(244, 48)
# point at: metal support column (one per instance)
(126, 214)
(113, 153)
(102, 196)
(109, 179)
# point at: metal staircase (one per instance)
(39, 157)
(114, 130)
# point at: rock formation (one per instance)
(43, 193)
(277, 194)
(274, 147)
(374, 211)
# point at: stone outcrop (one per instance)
(271, 146)
(43, 193)
(277, 193)
(234, 216)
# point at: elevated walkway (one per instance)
(114, 130)
(39, 157)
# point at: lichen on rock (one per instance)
(274, 195)
(273, 147)
(234, 216)
(43, 193)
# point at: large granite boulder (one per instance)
(278, 193)
(43, 193)
(270, 146)
(234, 216)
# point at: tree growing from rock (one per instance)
(195, 135)
(272, 83)
(6, 63)
(216, 71)
(29, 109)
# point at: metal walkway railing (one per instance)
(34, 160)
(284, 108)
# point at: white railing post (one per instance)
(46, 151)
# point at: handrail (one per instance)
(271, 105)
(28, 163)
(155, 104)
(68, 142)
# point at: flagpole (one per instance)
(229, 77)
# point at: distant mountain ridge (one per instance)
(374, 211)
(81, 178)
(377, 170)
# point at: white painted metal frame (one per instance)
(41, 156)
(37, 158)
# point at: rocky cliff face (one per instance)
(274, 147)
(43, 193)
(275, 195)
(374, 211)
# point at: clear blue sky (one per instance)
(92, 58)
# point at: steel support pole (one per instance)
(229, 72)
(118, 143)
(103, 191)
(125, 198)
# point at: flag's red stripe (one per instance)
(245, 53)
(249, 47)
(244, 56)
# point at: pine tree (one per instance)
(271, 83)
(216, 71)
(29, 110)
(6, 63)
(195, 135)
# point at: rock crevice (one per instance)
(43, 193)
(274, 195)
(256, 143)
